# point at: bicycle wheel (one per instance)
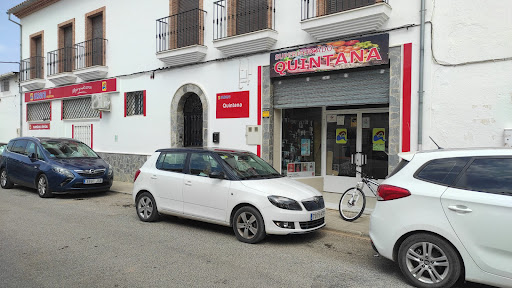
(352, 204)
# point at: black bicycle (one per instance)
(353, 201)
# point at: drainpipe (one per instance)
(19, 80)
(420, 85)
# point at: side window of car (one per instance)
(442, 171)
(493, 175)
(202, 164)
(31, 148)
(19, 146)
(9, 145)
(171, 161)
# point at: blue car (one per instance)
(54, 165)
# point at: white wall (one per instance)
(9, 110)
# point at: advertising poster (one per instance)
(301, 169)
(379, 139)
(43, 126)
(331, 56)
(341, 136)
(305, 147)
(233, 105)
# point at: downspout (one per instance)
(19, 79)
(422, 66)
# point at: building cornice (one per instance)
(29, 6)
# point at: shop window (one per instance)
(5, 86)
(79, 108)
(301, 151)
(39, 111)
(135, 103)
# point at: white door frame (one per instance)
(359, 113)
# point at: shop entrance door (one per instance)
(355, 140)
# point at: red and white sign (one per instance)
(233, 105)
(95, 87)
(41, 126)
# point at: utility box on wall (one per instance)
(508, 137)
(253, 134)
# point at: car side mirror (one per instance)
(217, 175)
(32, 156)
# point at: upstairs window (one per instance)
(5, 86)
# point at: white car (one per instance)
(226, 187)
(446, 216)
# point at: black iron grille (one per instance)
(316, 203)
(312, 224)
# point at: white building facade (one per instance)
(9, 106)
(318, 88)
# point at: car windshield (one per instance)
(248, 166)
(68, 149)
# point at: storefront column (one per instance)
(395, 76)
(267, 147)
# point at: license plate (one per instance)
(317, 215)
(93, 181)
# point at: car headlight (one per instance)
(64, 172)
(110, 170)
(284, 203)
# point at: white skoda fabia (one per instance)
(226, 187)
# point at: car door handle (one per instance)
(188, 183)
(460, 209)
(153, 177)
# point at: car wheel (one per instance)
(4, 180)
(248, 225)
(146, 207)
(429, 261)
(43, 188)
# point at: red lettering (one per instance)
(280, 67)
(359, 57)
(302, 63)
(341, 59)
(314, 63)
(374, 54)
(328, 58)
(290, 65)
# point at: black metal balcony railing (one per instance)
(90, 53)
(242, 16)
(60, 60)
(315, 8)
(32, 68)
(180, 30)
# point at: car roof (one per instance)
(45, 138)
(457, 152)
(202, 149)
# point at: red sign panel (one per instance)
(233, 105)
(96, 87)
(42, 126)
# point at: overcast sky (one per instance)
(9, 37)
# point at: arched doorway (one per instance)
(193, 122)
(189, 102)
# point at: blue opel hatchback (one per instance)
(54, 165)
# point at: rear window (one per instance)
(442, 171)
(400, 166)
(493, 175)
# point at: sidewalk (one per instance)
(333, 219)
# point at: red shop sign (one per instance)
(95, 87)
(42, 126)
(233, 105)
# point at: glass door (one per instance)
(355, 140)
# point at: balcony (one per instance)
(60, 66)
(90, 59)
(180, 38)
(244, 26)
(330, 19)
(32, 73)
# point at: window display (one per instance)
(301, 152)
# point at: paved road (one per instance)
(98, 241)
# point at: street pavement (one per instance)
(333, 219)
